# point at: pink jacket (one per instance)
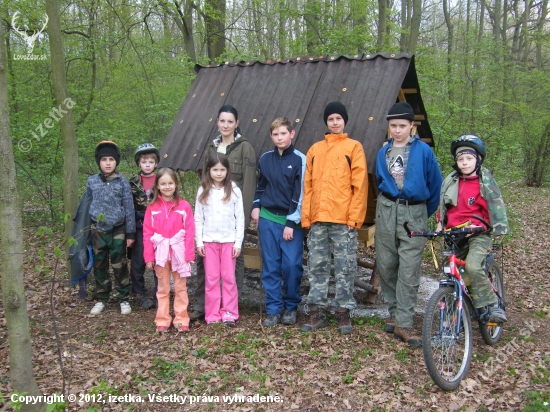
(172, 249)
(167, 219)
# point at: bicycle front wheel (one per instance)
(492, 332)
(446, 354)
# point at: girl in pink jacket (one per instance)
(168, 243)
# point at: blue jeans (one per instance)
(281, 255)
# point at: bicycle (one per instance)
(447, 329)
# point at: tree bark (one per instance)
(11, 250)
(312, 27)
(414, 26)
(215, 11)
(184, 21)
(382, 24)
(66, 123)
(540, 33)
(450, 39)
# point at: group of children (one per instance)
(285, 193)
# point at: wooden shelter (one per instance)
(367, 84)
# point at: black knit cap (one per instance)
(401, 110)
(107, 150)
(335, 107)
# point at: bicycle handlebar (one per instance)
(430, 234)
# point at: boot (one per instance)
(317, 319)
(407, 335)
(390, 324)
(344, 321)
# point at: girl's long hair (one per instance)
(156, 192)
(207, 182)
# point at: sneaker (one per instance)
(407, 335)
(390, 324)
(496, 314)
(196, 315)
(162, 329)
(98, 308)
(125, 308)
(272, 320)
(317, 320)
(289, 317)
(344, 321)
(230, 323)
(182, 328)
(145, 302)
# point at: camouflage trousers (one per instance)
(344, 246)
(110, 243)
(475, 253)
(398, 257)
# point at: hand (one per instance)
(200, 251)
(255, 215)
(149, 265)
(236, 252)
(191, 262)
(439, 227)
(288, 233)
(350, 228)
(130, 242)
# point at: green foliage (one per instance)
(538, 401)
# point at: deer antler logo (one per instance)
(23, 33)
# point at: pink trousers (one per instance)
(181, 299)
(219, 264)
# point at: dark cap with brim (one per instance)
(401, 110)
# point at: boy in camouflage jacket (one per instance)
(468, 192)
(146, 157)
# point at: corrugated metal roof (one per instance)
(298, 89)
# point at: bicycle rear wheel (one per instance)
(447, 356)
(491, 333)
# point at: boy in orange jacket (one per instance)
(334, 206)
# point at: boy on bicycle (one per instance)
(466, 193)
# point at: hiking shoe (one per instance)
(272, 320)
(496, 314)
(98, 308)
(125, 308)
(145, 302)
(289, 317)
(344, 321)
(317, 320)
(230, 323)
(196, 315)
(390, 324)
(407, 335)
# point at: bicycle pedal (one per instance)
(492, 324)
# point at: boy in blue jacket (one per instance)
(276, 213)
(408, 180)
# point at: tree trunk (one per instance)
(11, 248)
(540, 34)
(312, 27)
(450, 35)
(184, 21)
(382, 24)
(414, 26)
(404, 26)
(64, 104)
(215, 28)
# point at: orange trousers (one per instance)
(181, 299)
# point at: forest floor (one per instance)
(109, 360)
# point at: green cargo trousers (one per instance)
(344, 244)
(398, 257)
(475, 254)
(111, 243)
